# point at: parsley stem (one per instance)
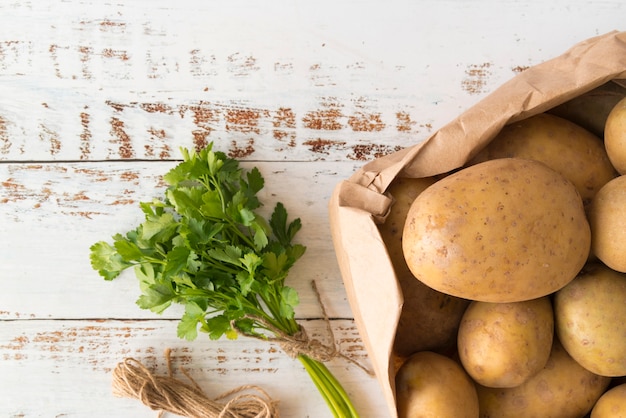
(287, 325)
(331, 390)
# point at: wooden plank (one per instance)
(286, 80)
(310, 90)
(63, 368)
(52, 213)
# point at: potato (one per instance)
(615, 136)
(591, 109)
(430, 385)
(562, 389)
(504, 230)
(429, 319)
(590, 315)
(504, 344)
(567, 148)
(612, 404)
(607, 219)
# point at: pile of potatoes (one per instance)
(513, 271)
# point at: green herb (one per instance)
(205, 246)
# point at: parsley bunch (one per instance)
(205, 246)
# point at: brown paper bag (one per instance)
(359, 203)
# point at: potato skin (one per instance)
(589, 316)
(504, 344)
(562, 389)
(431, 385)
(612, 404)
(504, 230)
(429, 319)
(572, 151)
(607, 219)
(615, 136)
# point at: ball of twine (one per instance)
(131, 379)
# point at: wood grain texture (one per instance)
(67, 365)
(59, 210)
(352, 80)
(97, 97)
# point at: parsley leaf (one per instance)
(107, 260)
(188, 325)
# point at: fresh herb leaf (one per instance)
(157, 297)
(188, 325)
(159, 228)
(289, 300)
(218, 326)
(278, 221)
(107, 260)
(177, 260)
(229, 254)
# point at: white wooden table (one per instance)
(97, 97)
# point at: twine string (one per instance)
(300, 343)
(131, 379)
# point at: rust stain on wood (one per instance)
(319, 78)
(245, 120)
(79, 196)
(205, 117)
(284, 123)
(197, 62)
(324, 146)
(85, 135)
(95, 175)
(365, 152)
(50, 136)
(130, 176)
(520, 68)
(241, 65)
(364, 122)
(248, 124)
(100, 346)
(107, 25)
(14, 191)
(404, 122)
(156, 108)
(126, 150)
(115, 53)
(200, 139)
(52, 49)
(5, 141)
(158, 136)
(476, 80)
(238, 152)
(328, 118)
(13, 350)
(92, 344)
(77, 202)
(85, 57)
(118, 107)
(11, 50)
